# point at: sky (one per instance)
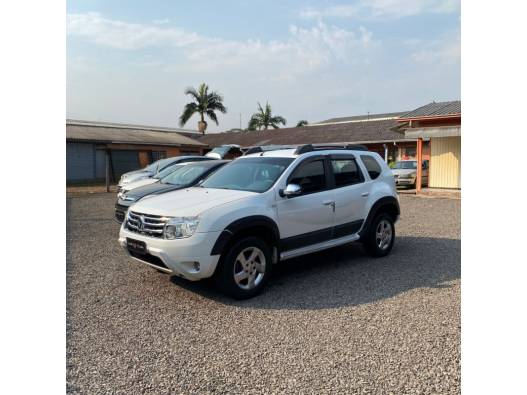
(130, 61)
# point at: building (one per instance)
(377, 131)
(440, 125)
(97, 149)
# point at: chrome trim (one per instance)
(319, 246)
(163, 269)
(152, 225)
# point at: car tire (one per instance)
(380, 236)
(243, 280)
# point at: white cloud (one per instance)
(304, 50)
(381, 9)
(123, 35)
(445, 51)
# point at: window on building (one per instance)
(409, 152)
(310, 176)
(156, 155)
(373, 167)
(346, 172)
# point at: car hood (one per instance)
(188, 201)
(139, 183)
(401, 172)
(136, 176)
(152, 189)
(131, 173)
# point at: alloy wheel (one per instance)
(249, 268)
(383, 234)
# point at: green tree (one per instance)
(205, 103)
(301, 123)
(265, 118)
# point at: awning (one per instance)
(443, 131)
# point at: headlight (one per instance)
(180, 227)
(129, 198)
(122, 193)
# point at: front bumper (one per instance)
(404, 181)
(178, 256)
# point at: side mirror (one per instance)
(291, 190)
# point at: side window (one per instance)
(373, 167)
(346, 172)
(310, 176)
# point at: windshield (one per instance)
(152, 167)
(254, 174)
(165, 172)
(185, 175)
(409, 164)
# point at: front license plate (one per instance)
(137, 246)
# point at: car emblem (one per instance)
(141, 223)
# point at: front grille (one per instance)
(119, 216)
(146, 224)
(120, 212)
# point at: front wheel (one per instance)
(245, 268)
(380, 237)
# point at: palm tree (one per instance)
(205, 102)
(301, 123)
(265, 118)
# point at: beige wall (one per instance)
(445, 162)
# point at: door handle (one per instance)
(365, 194)
(329, 203)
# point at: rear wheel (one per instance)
(245, 268)
(380, 237)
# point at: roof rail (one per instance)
(310, 147)
(253, 150)
(266, 148)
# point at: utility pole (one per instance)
(240, 121)
(107, 156)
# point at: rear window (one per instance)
(346, 172)
(373, 167)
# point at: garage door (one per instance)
(445, 162)
(124, 161)
(80, 162)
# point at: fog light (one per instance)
(196, 266)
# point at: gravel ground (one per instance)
(332, 322)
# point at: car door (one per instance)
(350, 194)
(307, 219)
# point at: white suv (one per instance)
(263, 208)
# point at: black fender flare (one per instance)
(383, 203)
(241, 224)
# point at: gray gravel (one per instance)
(333, 322)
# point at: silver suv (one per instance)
(263, 208)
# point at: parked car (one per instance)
(147, 181)
(405, 172)
(183, 176)
(155, 167)
(227, 151)
(264, 208)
